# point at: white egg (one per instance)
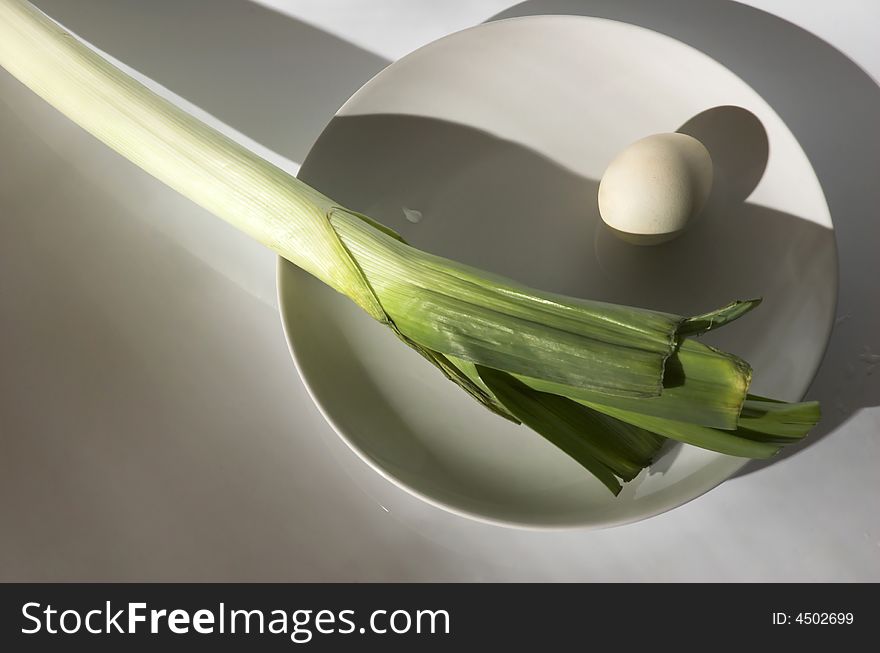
(655, 187)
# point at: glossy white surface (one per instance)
(499, 135)
(152, 426)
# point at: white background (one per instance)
(152, 426)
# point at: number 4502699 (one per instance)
(813, 618)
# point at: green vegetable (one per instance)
(608, 447)
(605, 383)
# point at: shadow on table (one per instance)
(831, 106)
(151, 423)
(270, 76)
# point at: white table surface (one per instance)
(153, 427)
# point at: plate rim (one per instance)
(285, 268)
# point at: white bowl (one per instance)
(487, 147)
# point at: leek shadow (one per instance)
(830, 104)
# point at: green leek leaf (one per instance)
(700, 385)
(716, 319)
(603, 445)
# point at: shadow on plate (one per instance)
(830, 104)
(505, 208)
(737, 143)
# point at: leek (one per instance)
(607, 384)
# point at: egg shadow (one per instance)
(508, 209)
(738, 144)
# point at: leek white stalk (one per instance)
(627, 347)
(197, 161)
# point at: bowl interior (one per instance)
(487, 147)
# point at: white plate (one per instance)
(497, 136)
